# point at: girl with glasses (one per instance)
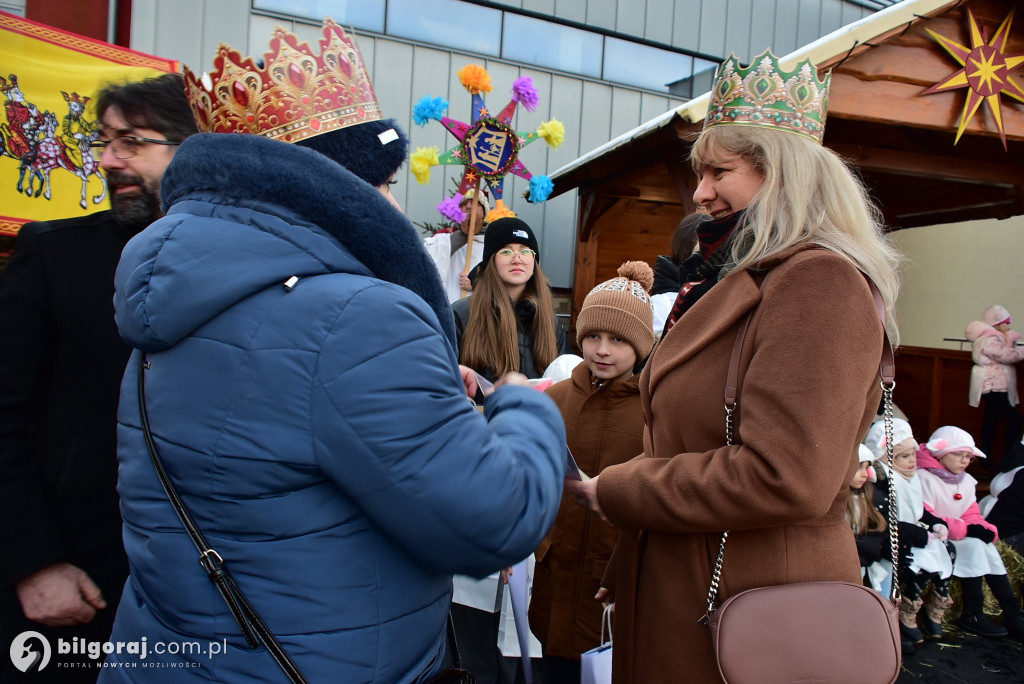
(509, 323)
(949, 492)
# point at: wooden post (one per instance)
(472, 228)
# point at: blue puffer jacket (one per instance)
(320, 433)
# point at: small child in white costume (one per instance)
(924, 556)
(949, 492)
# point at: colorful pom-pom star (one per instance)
(488, 146)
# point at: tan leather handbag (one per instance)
(835, 632)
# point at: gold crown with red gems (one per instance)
(294, 95)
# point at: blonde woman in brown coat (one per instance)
(798, 243)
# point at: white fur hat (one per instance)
(866, 455)
(875, 440)
(994, 315)
(951, 438)
(484, 202)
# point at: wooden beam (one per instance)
(660, 195)
(585, 274)
(932, 166)
(954, 199)
(610, 217)
(587, 216)
(901, 104)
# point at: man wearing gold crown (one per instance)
(304, 394)
(789, 256)
(60, 372)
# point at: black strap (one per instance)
(249, 621)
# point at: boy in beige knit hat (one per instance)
(604, 425)
(615, 323)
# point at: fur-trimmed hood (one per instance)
(266, 211)
(978, 329)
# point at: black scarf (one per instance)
(700, 271)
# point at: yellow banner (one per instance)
(49, 79)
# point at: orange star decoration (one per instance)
(986, 72)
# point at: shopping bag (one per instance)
(596, 664)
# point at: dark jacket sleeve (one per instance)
(869, 548)
(30, 537)
(564, 346)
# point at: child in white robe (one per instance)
(949, 492)
(924, 556)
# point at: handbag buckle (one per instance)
(212, 563)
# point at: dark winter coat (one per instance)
(60, 374)
(604, 426)
(525, 312)
(318, 428)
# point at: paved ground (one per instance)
(964, 659)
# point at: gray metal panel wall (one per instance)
(593, 112)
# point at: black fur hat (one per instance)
(373, 150)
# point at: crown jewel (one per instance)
(765, 95)
(294, 95)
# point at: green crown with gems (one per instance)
(765, 95)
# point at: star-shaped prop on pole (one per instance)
(985, 73)
(488, 146)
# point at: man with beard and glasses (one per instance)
(60, 373)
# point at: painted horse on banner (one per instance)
(53, 153)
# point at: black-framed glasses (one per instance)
(524, 253)
(127, 146)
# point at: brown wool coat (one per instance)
(809, 387)
(604, 426)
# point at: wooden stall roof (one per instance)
(634, 189)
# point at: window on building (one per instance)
(454, 24)
(644, 66)
(543, 43)
(467, 27)
(363, 14)
(696, 83)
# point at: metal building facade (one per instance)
(594, 109)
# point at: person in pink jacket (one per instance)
(993, 376)
(949, 492)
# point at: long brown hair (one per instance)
(861, 512)
(491, 339)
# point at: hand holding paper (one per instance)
(585, 493)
